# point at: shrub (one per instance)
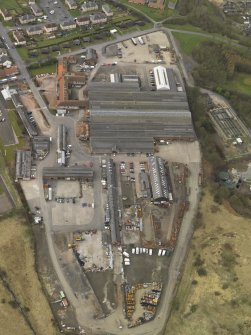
(202, 272)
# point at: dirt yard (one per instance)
(17, 261)
(215, 289)
(29, 102)
(48, 84)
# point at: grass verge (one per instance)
(188, 42)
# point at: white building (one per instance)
(161, 78)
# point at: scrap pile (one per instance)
(151, 298)
(133, 218)
(149, 301)
(130, 300)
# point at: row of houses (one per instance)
(24, 19)
(81, 21)
(89, 6)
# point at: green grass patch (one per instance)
(17, 6)
(5, 174)
(23, 52)
(241, 82)
(75, 12)
(13, 119)
(43, 69)
(188, 42)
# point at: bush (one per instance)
(198, 261)
(13, 304)
(194, 308)
(228, 259)
(202, 272)
(194, 282)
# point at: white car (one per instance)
(52, 11)
(55, 2)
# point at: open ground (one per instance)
(17, 261)
(216, 276)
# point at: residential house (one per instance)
(107, 10)
(19, 37)
(37, 11)
(50, 27)
(8, 72)
(6, 14)
(83, 21)
(6, 62)
(27, 18)
(138, 2)
(34, 30)
(68, 25)
(71, 4)
(156, 4)
(89, 6)
(98, 18)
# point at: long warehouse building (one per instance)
(125, 118)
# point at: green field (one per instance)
(155, 14)
(241, 82)
(43, 69)
(188, 42)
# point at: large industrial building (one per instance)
(113, 201)
(68, 173)
(23, 165)
(61, 145)
(124, 117)
(158, 178)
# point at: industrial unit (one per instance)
(61, 144)
(70, 173)
(40, 146)
(113, 201)
(26, 117)
(158, 177)
(23, 165)
(126, 118)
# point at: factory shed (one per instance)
(23, 165)
(113, 201)
(124, 118)
(68, 173)
(158, 178)
(161, 78)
